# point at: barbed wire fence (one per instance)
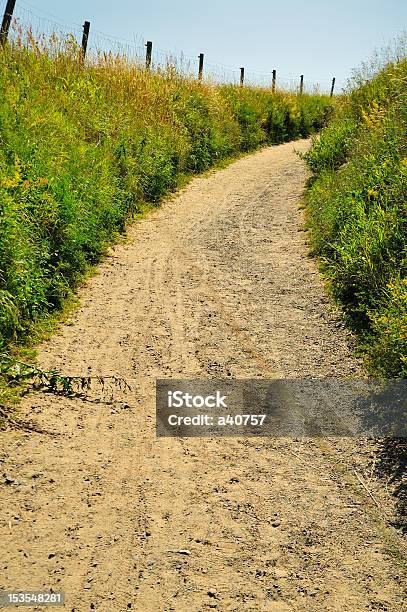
(25, 17)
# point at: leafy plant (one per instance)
(357, 213)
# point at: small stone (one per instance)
(280, 572)
(9, 481)
(212, 593)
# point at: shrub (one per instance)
(387, 353)
(357, 213)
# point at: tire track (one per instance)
(215, 283)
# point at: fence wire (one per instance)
(47, 27)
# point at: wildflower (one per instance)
(15, 179)
(372, 193)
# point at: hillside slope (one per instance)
(357, 213)
(83, 149)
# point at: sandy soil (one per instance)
(215, 283)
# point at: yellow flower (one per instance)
(374, 115)
(9, 183)
(15, 180)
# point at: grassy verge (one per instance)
(357, 213)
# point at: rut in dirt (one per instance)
(216, 283)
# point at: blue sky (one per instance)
(317, 38)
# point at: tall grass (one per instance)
(82, 149)
(357, 211)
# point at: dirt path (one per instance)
(215, 283)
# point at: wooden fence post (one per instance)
(201, 65)
(273, 83)
(301, 84)
(241, 77)
(85, 38)
(333, 86)
(5, 25)
(149, 54)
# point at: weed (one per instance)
(357, 213)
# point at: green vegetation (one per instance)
(357, 213)
(84, 149)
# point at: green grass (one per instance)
(84, 150)
(357, 214)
